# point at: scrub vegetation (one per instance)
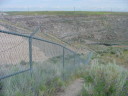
(105, 80)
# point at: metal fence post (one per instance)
(30, 54)
(75, 62)
(63, 64)
(79, 62)
(30, 62)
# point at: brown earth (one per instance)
(14, 49)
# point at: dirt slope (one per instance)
(70, 28)
(14, 49)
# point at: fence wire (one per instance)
(13, 54)
(46, 63)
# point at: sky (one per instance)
(64, 5)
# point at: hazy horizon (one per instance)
(64, 5)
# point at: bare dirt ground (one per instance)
(73, 89)
(14, 49)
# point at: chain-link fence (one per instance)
(31, 66)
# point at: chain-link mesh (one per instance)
(13, 54)
(47, 62)
(14, 59)
(69, 63)
(20, 84)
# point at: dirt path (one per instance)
(73, 89)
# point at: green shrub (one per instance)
(105, 80)
(26, 85)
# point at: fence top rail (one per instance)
(14, 33)
(53, 43)
(29, 36)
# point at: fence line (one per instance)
(31, 37)
(67, 60)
